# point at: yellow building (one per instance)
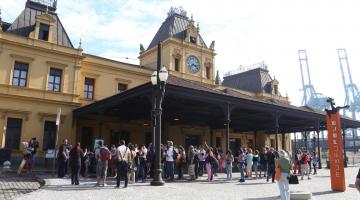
(41, 71)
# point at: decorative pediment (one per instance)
(5, 112)
(43, 116)
(208, 62)
(177, 53)
(45, 18)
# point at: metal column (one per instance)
(276, 131)
(227, 135)
(344, 145)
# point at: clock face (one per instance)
(193, 64)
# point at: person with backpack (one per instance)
(102, 155)
(285, 166)
(123, 155)
(171, 156)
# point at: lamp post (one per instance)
(158, 80)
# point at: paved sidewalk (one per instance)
(13, 185)
(220, 189)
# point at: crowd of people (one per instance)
(135, 163)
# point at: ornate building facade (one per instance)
(41, 71)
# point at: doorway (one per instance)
(49, 135)
(13, 133)
(87, 138)
(234, 144)
(117, 135)
(192, 140)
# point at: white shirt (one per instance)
(169, 154)
(123, 153)
(201, 155)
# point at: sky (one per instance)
(245, 32)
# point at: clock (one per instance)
(193, 64)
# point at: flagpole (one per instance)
(58, 120)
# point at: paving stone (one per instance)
(220, 189)
(12, 186)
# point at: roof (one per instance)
(5, 26)
(174, 26)
(24, 24)
(256, 80)
(194, 102)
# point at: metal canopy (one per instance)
(191, 103)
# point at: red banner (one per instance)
(336, 156)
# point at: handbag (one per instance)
(293, 179)
(277, 174)
(191, 169)
(224, 163)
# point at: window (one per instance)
(54, 80)
(87, 138)
(13, 133)
(44, 32)
(89, 88)
(207, 72)
(20, 74)
(276, 89)
(122, 87)
(193, 39)
(49, 135)
(177, 62)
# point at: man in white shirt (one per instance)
(170, 160)
(123, 156)
(201, 155)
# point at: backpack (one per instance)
(175, 155)
(104, 154)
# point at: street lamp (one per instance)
(158, 80)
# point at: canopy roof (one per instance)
(193, 103)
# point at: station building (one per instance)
(100, 98)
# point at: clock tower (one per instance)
(184, 52)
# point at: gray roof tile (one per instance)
(174, 26)
(256, 80)
(25, 24)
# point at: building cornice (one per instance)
(180, 43)
(131, 70)
(43, 92)
(48, 47)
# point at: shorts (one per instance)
(101, 168)
(249, 167)
(305, 168)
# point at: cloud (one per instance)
(246, 32)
